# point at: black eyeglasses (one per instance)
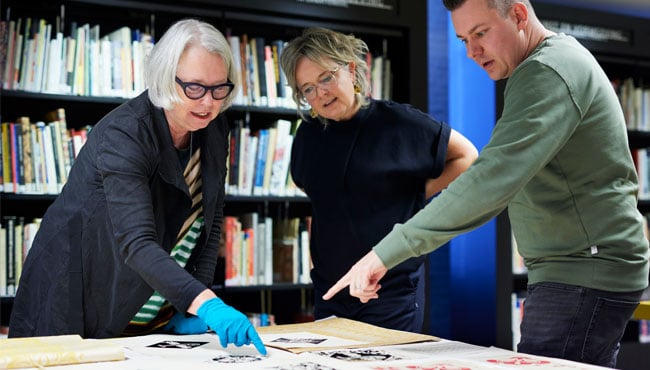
(196, 91)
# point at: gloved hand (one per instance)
(181, 324)
(231, 325)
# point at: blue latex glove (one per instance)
(231, 325)
(181, 324)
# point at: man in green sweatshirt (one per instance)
(559, 160)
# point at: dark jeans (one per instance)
(400, 305)
(575, 323)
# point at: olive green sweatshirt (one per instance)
(559, 160)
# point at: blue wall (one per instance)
(462, 275)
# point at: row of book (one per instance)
(258, 162)
(260, 250)
(264, 83)
(38, 57)
(16, 236)
(37, 156)
(257, 62)
(635, 100)
(257, 250)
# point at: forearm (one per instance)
(199, 300)
(461, 153)
(453, 169)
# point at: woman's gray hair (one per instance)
(160, 71)
(319, 44)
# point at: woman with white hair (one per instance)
(130, 245)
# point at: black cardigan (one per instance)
(103, 245)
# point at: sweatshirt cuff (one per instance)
(393, 249)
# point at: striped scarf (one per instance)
(185, 242)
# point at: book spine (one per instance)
(260, 162)
(56, 158)
(268, 251)
(268, 163)
(233, 160)
(261, 71)
(7, 161)
(10, 57)
(16, 154)
(250, 165)
(3, 258)
(51, 178)
(234, 43)
(58, 140)
(10, 222)
(269, 66)
(27, 155)
(18, 56)
(19, 246)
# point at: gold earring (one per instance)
(357, 89)
(313, 113)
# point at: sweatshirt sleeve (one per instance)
(538, 119)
